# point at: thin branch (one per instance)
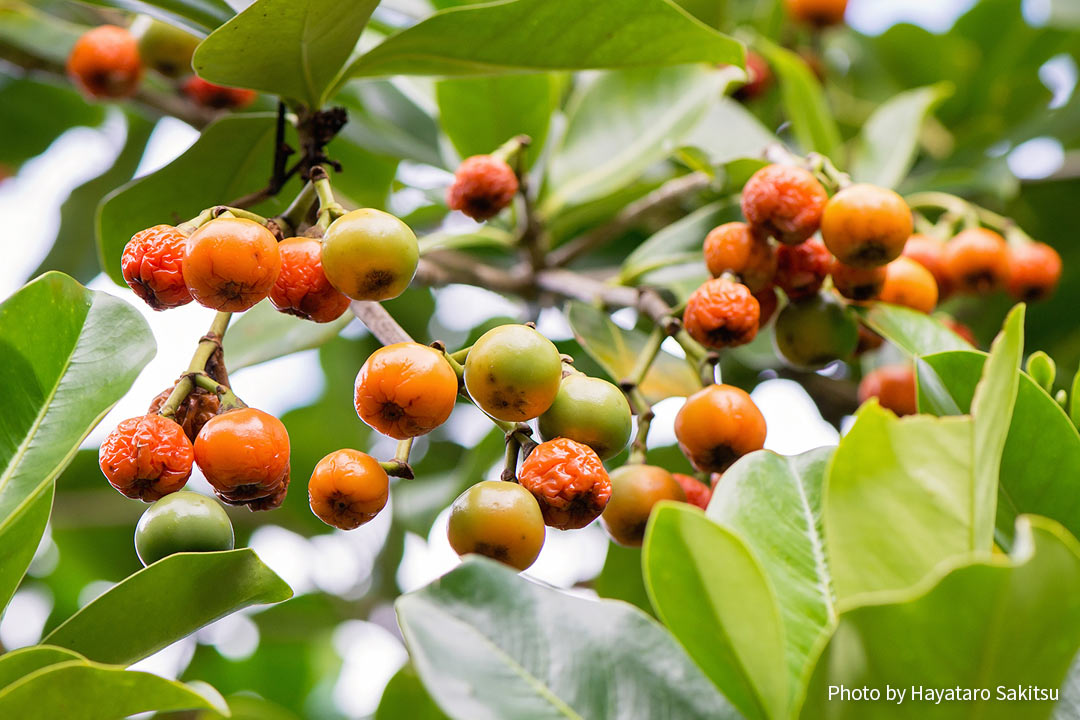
(381, 324)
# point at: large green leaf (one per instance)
(405, 697)
(185, 591)
(1001, 624)
(617, 352)
(899, 499)
(774, 503)
(23, 118)
(803, 100)
(68, 355)
(232, 157)
(38, 34)
(203, 14)
(24, 661)
(78, 690)
(292, 48)
(262, 333)
(911, 331)
(729, 131)
(678, 241)
(386, 120)
(714, 596)
(602, 150)
(889, 141)
(622, 577)
(504, 36)
(491, 645)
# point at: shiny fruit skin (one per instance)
(568, 481)
(217, 97)
(590, 411)
(977, 261)
(301, 287)
(370, 255)
(230, 264)
(866, 226)
(513, 373)
(1034, 271)
(635, 489)
(483, 186)
(405, 390)
(801, 269)
(165, 48)
(182, 522)
(733, 247)
(784, 202)
(909, 284)
(721, 314)
(818, 13)
(105, 63)
(814, 332)
(930, 253)
(153, 267)
(348, 488)
(859, 284)
(893, 386)
(500, 520)
(718, 425)
(244, 453)
(697, 493)
(146, 458)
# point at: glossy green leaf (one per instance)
(911, 331)
(203, 14)
(617, 350)
(889, 140)
(405, 697)
(1074, 400)
(504, 37)
(387, 120)
(21, 662)
(292, 48)
(728, 131)
(41, 35)
(23, 100)
(1042, 370)
(1006, 623)
(914, 476)
(737, 638)
(803, 100)
(78, 690)
(602, 151)
(935, 396)
(774, 504)
(489, 645)
(178, 588)
(680, 241)
(231, 158)
(68, 355)
(621, 577)
(484, 236)
(262, 333)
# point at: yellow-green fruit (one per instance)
(814, 332)
(164, 47)
(590, 411)
(500, 520)
(369, 255)
(513, 373)
(635, 489)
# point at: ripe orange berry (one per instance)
(857, 283)
(697, 492)
(483, 185)
(767, 304)
(347, 489)
(301, 287)
(244, 454)
(909, 284)
(405, 390)
(718, 425)
(104, 62)
(499, 520)
(218, 97)
(230, 264)
(568, 481)
(1034, 271)
(146, 457)
(893, 386)
(785, 202)
(759, 77)
(733, 248)
(930, 253)
(819, 13)
(801, 269)
(977, 261)
(635, 490)
(722, 314)
(152, 265)
(866, 225)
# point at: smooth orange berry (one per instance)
(722, 314)
(909, 284)
(866, 225)
(218, 97)
(153, 266)
(718, 425)
(1034, 271)
(500, 520)
(893, 386)
(230, 264)
(857, 283)
(802, 268)
(146, 457)
(819, 13)
(104, 62)
(697, 492)
(347, 489)
(733, 248)
(483, 185)
(930, 253)
(301, 287)
(405, 390)
(785, 202)
(635, 490)
(513, 373)
(977, 261)
(568, 481)
(370, 255)
(244, 454)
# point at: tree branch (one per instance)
(381, 324)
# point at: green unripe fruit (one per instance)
(369, 255)
(164, 47)
(500, 520)
(513, 373)
(591, 411)
(814, 332)
(182, 522)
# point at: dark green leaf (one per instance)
(622, 579)
(911, 331)
(405, 697)
(385, 120)
(23, 117)
(203, 14)
(680, 241)
(803, 101)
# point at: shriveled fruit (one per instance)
(405, 390)
(590, 411)
(146, 457)
(819, 13)
(500, 520)
(894, 388)
(733, 248)
(1034, 271)
(194, 412)
(230, 264)
(697, 492)
(164, 47)
(785, 202)
(977, 261)
(370, 255)
(244, 454)
(301, 288)
(348, 488)
(930, 253)
(182, 522)
(814, 332)
(801, 269)
(857, 283)
(513, 373)
(152, 265)
(635, 490)
(866, 225)
(759, 77)
(218, 97)
(568, 481)
(105, 63)
(483, 185)
(722, 314)
(718, 425)
(909, 284)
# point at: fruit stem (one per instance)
(203, 351)
(644, 413)
(196, 222)
(460, 356)
(379, 322)
(294, 215)
(696, 354)
(513, 449)
(822, 166)
(457, 367)
(399, 465)
(226, 211)
(954, 207)
(645, 359)
(329, 209)
(228, 398)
